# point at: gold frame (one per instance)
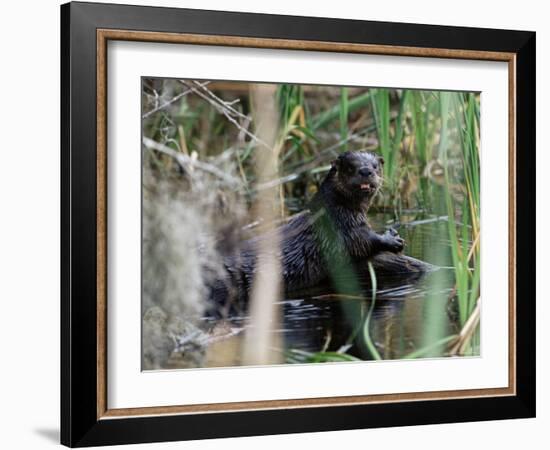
(103, 36)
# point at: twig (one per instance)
(424, 221)
(327, 341)
(474, 245)
(467, 331)
(321, 155)
(423, 351)
(340, 296)
(187, 162)
(227, 105)
(276, 182)
(169, 102)
(223, 108)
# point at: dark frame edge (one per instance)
(79, 424)
(525, 223)
(169, 428)
(78, 225)
(65, 187)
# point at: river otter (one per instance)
(333, 232)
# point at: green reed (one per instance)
(429, 141)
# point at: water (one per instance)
(409, 313)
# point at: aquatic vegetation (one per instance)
(431, 193)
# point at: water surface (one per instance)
(408, 314)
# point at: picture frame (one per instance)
(86, 29)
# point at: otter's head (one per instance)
(357, 175)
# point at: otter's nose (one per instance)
(365, 172)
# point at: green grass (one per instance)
(366, 327)
(429, 141)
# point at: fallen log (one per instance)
(391, 270)
(394, 264)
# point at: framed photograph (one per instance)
(276, 224)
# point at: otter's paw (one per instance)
(392, 231)
(394, 242)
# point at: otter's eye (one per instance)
(375, 165)
(350, 170)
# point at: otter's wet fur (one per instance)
(333, 231)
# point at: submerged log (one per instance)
(392, 270)
(394, 264)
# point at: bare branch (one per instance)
(229, 112)
(185, 161)
(169, 102)
(227, 105)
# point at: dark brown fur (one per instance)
(334, 232)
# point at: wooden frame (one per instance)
(86, 419)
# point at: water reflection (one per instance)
(409, 312)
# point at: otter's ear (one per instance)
(381, 160)
(335, 164)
